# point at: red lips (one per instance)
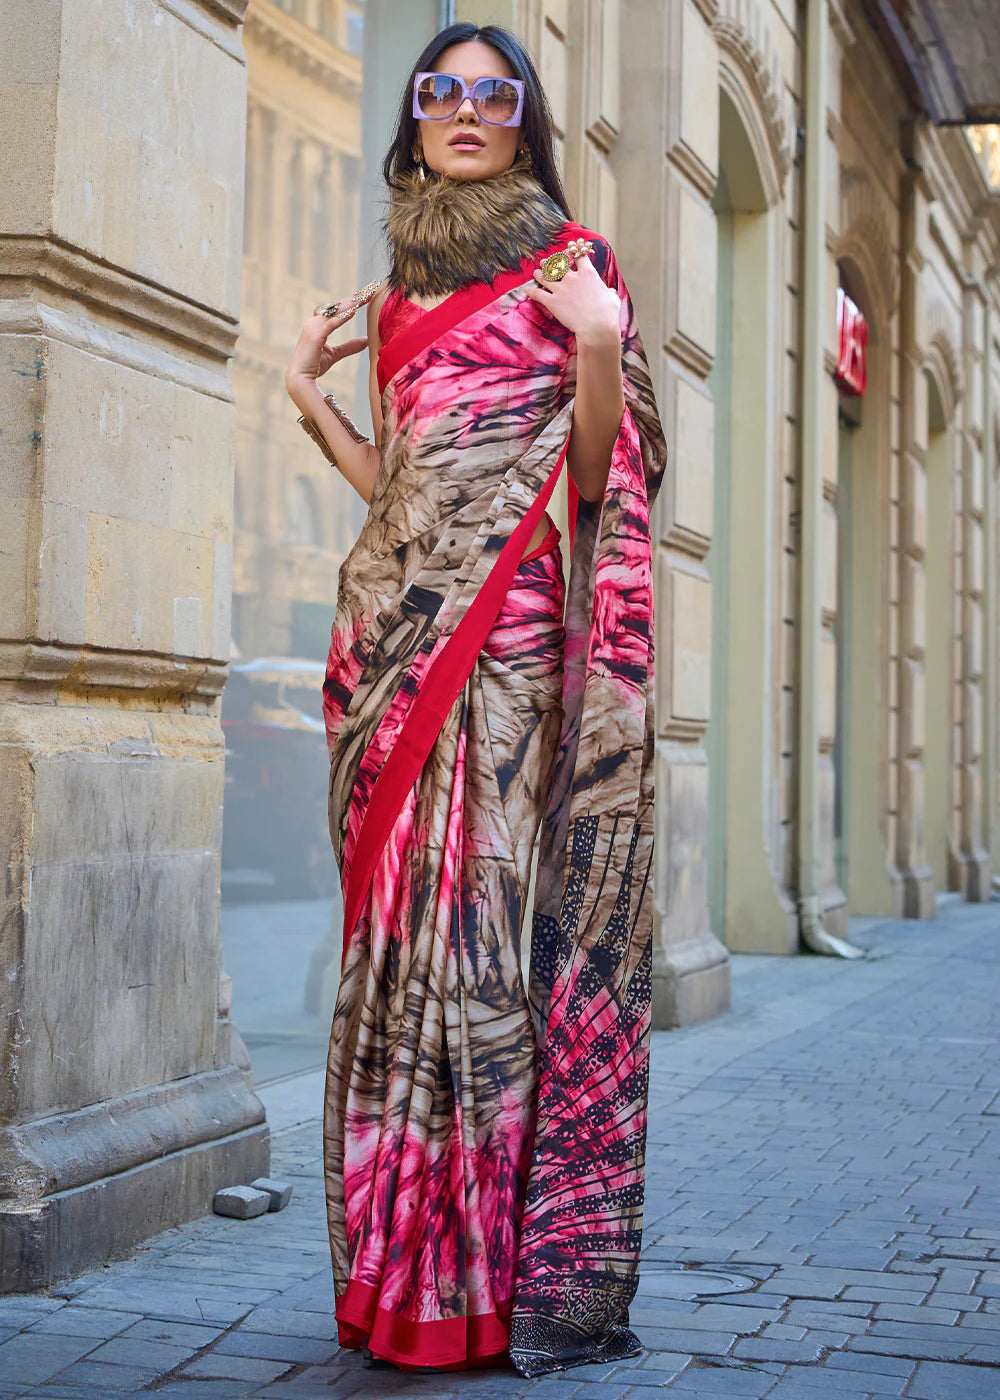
(465, 138)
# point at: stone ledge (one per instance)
(81, 1188)
(52, 289)
(48, 1156)
(48, 668)
(79, 1229)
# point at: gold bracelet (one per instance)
(310, 427)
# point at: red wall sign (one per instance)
(852, 336)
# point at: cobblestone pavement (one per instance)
(822, 1217)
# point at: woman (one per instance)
(484, 1144)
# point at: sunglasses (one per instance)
(498, 101)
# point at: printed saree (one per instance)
(484, 1141)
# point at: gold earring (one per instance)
(418, 156)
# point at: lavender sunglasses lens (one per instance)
(440, 95)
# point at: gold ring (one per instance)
(329, 308)
(555, 267)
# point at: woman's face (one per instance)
(487, 148)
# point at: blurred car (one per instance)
(275, 822)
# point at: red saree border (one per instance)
(440, 688)
(450, 1343)
(408, 342)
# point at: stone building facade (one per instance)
(293, 518)
(122, 1104)
(826, 562)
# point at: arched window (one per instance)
(304, 523)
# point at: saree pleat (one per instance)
(484, 1140)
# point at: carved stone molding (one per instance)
(305, 51)
(218, 21)
(47, 670)
(942, 356)
(231, 10)
(750, 71)
(867, 239)
(51, 282)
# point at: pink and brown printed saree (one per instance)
(484, 1141)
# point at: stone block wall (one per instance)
(120, 1108)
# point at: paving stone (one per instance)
(77, 1320)
(871, 1364)
(659, 1361)
(206, 1390)
(907, 1312)
(804, 1383)
(852, 1257)
(286, 1322)
(959, 1301)
(602, 1390)
(865, 1293)
(144, 1353)
(63, 1392)
(723, 1381)
(234, 1368)
(839, 1307)
(939, 1381)
(30, 1358)
(701, 1343)
(271, 1348)
(784, 1332)
(22, 1310)
(290, 1390)
(183, 1334)
(721, 1317)
(773, 1349)
(915, 1347)
(112, 1380)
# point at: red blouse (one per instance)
(397, 312)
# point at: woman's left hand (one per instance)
(581, 300)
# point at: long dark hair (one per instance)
(536, 117)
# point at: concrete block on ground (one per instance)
(279, 1192)
(241, 1202)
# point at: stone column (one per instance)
(822, 904)
(915, 871)
(665, 159)
(120, 1110)
(991, 600)
(973, 857)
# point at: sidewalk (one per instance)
(822, 1218)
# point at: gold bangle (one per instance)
(310, 427)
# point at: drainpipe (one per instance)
(814, 326)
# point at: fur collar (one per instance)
(445, 233)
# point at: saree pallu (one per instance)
(484, 1141)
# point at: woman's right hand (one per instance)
(312, 357)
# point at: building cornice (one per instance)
(218, 21)
(305, 51)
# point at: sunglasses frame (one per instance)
(517, 83)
